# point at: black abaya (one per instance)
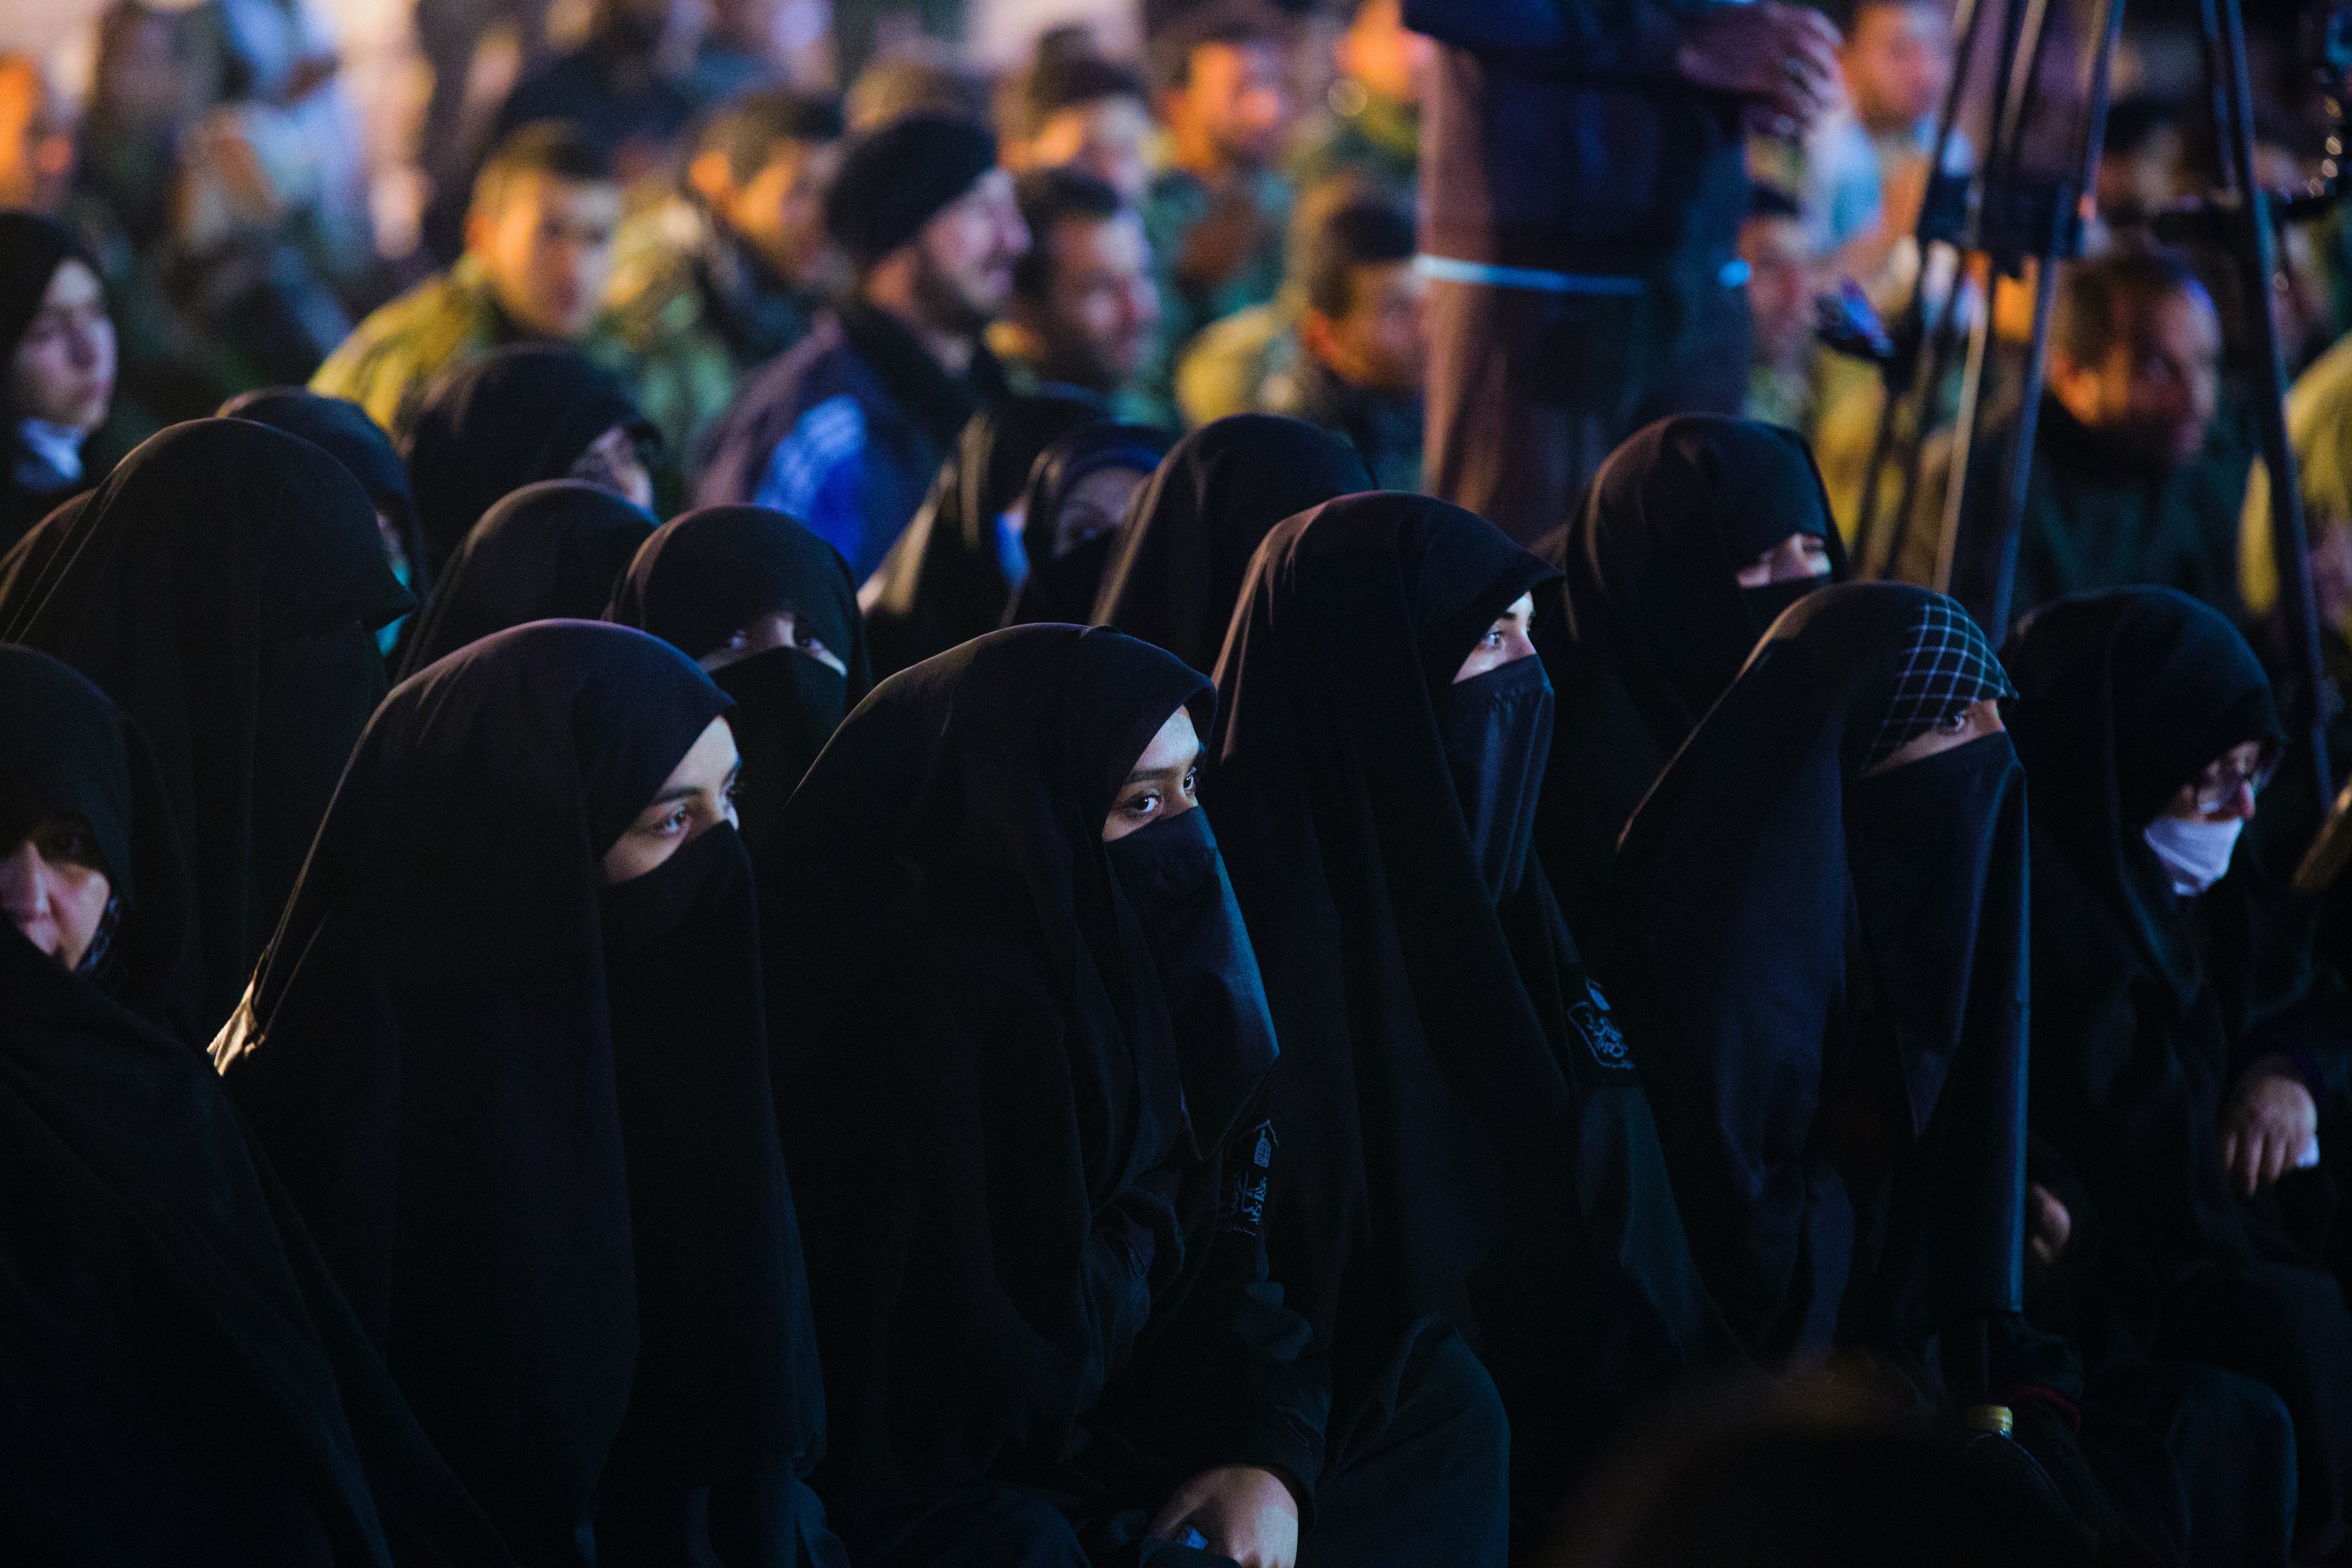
(528, 1118)
(707, 574)
(222, 586)
(1023, 1073)
(343, 429)
(946, 580)
(1464, 1132)
(1062, 587)
(548, 552)
(2125, 696)
(1652, 625)
(1175, 573)
(515, 415)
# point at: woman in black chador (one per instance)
(548, 552)
(768, 609)
(183, 1382)
(1696, 533)
(1176, 572)
(223, 586)
(508, 1053)
(1024, 1048)
(1081, 493)
(2171, 1110)
(954, 570)
(512, 418)
(1463, 1132)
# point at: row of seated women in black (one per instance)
(1096, 1267)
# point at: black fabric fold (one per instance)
(343, 429)
(1176, 572)
(222, 586)
(548, 552)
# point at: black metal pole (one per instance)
(2256, 252)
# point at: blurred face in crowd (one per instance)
(1383, 56)
(547, 246)
(1164, 782)
(1232, 109)
(778, 629)
(778, 212)
(1897, 61)
(1779, 288)
(699, 795)
(1095, 505)
(1099, 308)
(1381, 344)
(2155, 390)
(64, 370)
(964, 257)
(1105, 137)
(52, 890)
(35, 150)
(2224, 790)
(618, 462)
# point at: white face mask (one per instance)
(2195, 852)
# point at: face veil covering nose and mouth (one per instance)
(1496, 732)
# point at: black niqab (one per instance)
(946, 580)
(1829, 972)
(65, 750)
(222, 586)
(548, 552)
(705, 575)
(1007, 1160)
(1652, 624)
(1063, 588)
(343, 429)
(528, 1118)
(1463, 1132)
(1176, 573)
(516, 415)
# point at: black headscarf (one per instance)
(32, 249)
(1463, 1132)
(1827, 973)
(65, 750)
(184, 1383)
(222, 585)
(1064, 589)
(548, 552)
(704, 576)
(1177, 569)
(946, 581)
(1652, 625)
(517, 414)
(343, 430)
(528, 1118)
(1004, 1132)
(2124, 697)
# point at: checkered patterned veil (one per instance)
(1945, 665)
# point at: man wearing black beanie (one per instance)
(846, 430)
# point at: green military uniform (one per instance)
(393, 355)
(688, 315)
(1362, 132)
(1175, 206)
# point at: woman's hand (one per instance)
(2048, 1225)
(2270, 1126)
(1246, 1514)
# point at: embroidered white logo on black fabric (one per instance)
(1602, 1036)
(1241, 1208)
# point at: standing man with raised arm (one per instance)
(1582, 182)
